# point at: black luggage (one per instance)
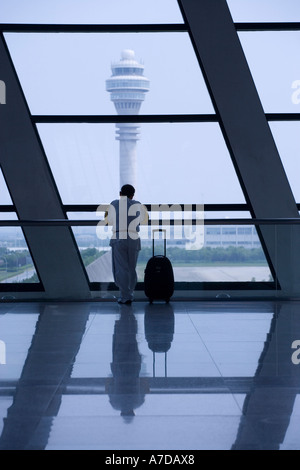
(159, 276)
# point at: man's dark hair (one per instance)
(127, 190)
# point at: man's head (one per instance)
(127, 190)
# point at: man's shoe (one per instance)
(126, 302)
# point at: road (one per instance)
(20, 277)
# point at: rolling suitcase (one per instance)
(159, 276)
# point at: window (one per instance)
(84, 159)
(264, 10)
(90, 11)
(68, 75)
(271, 58)
(244, 230)
(229, 231)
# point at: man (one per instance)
(125, 215)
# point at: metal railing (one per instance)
(154, 222)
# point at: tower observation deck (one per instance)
(128, 88)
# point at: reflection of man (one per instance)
(125, 388)
(125, 215)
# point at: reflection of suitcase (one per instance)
(159, 324)
(159, 276)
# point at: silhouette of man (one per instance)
(125, 215)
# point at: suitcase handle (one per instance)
(164, 231)
(166, 365)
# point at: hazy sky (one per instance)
(189, 163)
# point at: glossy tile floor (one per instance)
(183, 376)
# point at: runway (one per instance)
(101, 271)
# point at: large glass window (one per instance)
(90, 11)
(67, 73)
(264, 10)
(16, 264)
(5, 198)
(198, 254)
(272, 60)
(186, 163)
(286, 135)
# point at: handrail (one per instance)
(162, 222)
(10, 208)
(162, 207)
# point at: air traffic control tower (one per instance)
(127, 87)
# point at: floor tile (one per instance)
(185, 375)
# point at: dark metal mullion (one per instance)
(207, 207)
(93, 207)
(283, 117)
(7, 208)
(113, 119)
(275, 26)
(137, 28)
(147, 118)
(93, 28)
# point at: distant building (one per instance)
(216, 236)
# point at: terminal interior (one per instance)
(206, 109)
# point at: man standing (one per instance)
(125, 215)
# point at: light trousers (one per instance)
(124, 260)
